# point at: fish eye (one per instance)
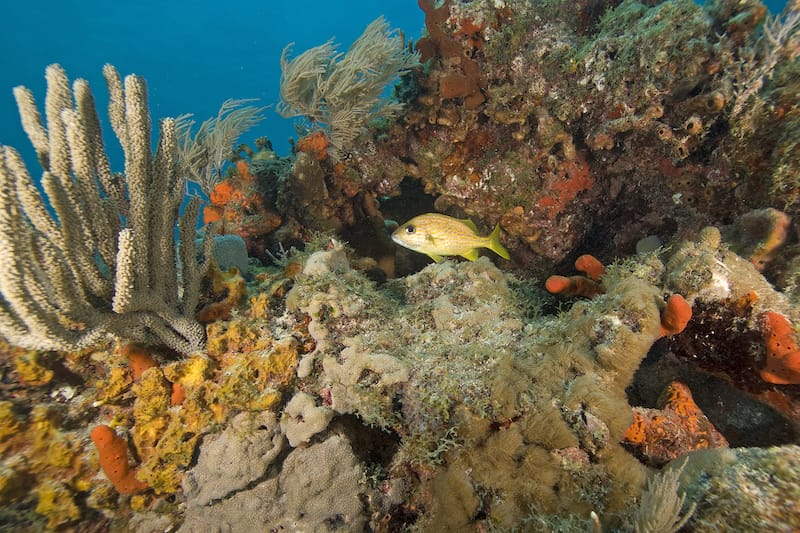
(410, 229)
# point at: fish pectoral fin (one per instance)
(470, 224)
(472, 255)
(435, 257)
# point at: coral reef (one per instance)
(340, 383)
(431, 400)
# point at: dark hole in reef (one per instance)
(411, 201)
(368, 378)
(695, 91)
(372, 445)
(401, 516)
(335, 522)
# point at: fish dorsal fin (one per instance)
(470, 224)
(472, 255)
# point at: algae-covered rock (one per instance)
(10, 422)
(57, 503)
(743, 489)
(488, 399)
(705, 269)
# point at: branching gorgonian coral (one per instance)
(780, 40)
(340, 92)
(102, 260)
(203, 154)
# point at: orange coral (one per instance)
(676, 428)
(113, 451)
(233, 196)
(676, 315)
(472, 32)
(591, 266)
(315, 144)
(783, 357)
(222, 193)
(243, 171)
(456, 85)
(572, 286)
(212, 213)
(762, 232)
(455, 48)
(178, 394)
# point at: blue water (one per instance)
(194, 55)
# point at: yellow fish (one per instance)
(438, 235)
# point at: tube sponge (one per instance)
(113, 451)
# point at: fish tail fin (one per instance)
(495, 245)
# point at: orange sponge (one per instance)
(783, 357)
(572, 286)
(591, 266)
(139, 359)
(586, 286)
(676, 316)
(113, 451)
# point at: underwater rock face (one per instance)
(746, 489)
(578, 124)
(433, 391)
(317, 490)
(235, 458)
(472, 386)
